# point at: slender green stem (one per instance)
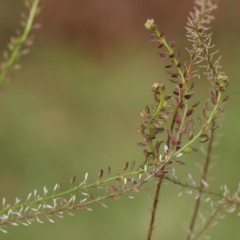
(159, 108)
(202, 130)
(15, 53)
(73, 190)
(162, 39)
(81, 205)
(204, 174)
(182, 122)
(160, 105)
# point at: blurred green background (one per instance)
(74, 108)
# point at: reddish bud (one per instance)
(204, 138)
(161, 45)
(189, 122)
(181, 105)
(167, 97)
(178, 120)
(163, 33)
(132, 165)
(180, 85)
(153, 38)
(168, 66)
(179, 65)
(100, 174)
(184, 129)
(195, 105)
(172, 44)
(225, 99)
(180, 162)
(157, 130)
(189, 112)
(188, 96)
(125, 166)
(169, 133)
(175, 75)
(176, 92)
(205, 113)
(174, 141)
(141, 144)
(214, 100)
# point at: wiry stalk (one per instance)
(204, 175)
(16, 47)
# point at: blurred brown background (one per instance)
(74, 107)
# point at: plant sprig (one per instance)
(17, 42)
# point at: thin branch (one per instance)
(20, 41)
(206, 225)
(204, 175)
(67, 203)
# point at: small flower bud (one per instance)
(178, 120)
(204, 138)
(141, 144)
(125, 166)
(174, 141)
(100, 174)
(73, 179)
(189, 112)
(214, 100)
(222, 81)
(143, 114)
(147, 109)
(149, 25)
(187, 150)
(225, 99)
